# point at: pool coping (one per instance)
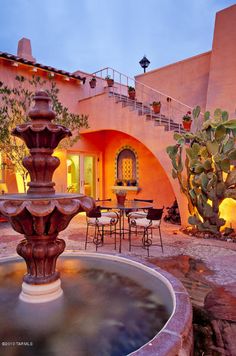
(176, 335)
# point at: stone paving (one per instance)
(219, 256)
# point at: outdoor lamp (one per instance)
(144, 63)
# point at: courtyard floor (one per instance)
(218, 256)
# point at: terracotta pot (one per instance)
(156, 108)
(110, 82)
(92, 83)
(187, 125)
(120, 199)
(131, 94)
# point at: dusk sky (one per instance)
(92, 34)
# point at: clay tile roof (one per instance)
(39, 65)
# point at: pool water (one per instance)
(102, 312)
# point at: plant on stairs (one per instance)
(131, 92)
(208, 174)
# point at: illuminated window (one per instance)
(126, 165)
(127, 168)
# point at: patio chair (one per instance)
(99, 223)
(139, 213)
(145, 226)
(107, 212)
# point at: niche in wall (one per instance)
(126, 165)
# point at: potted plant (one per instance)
(110, 81)
(133, 182)
(93, 82)
(187, 121)
(121, 196)
(156, 105)
(119, 182)
(131, 92)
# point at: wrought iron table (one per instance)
(129, 205)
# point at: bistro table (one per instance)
(129, 205)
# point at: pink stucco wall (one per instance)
(222, 80)
(69, 90)
(185, 81)
(152, 179)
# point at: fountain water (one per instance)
(41, 213)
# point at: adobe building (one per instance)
(126, 141)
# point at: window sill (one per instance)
(125, 187)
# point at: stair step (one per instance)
(131, 103)
(119, 100)
(115, 94)
(160, 117)
(142, 109)
(168, 126)
(138, 107)
(120, 97)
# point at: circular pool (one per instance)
(111, 306)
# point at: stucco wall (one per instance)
(153, 181)
(222, 80)
(185, 81)
(69, 93)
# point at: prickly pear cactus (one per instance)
(204, 164)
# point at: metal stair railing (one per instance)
(172, 109)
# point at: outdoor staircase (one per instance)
(142, 109)
(172, 110)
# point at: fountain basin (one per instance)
(40, 218)
(172, 338)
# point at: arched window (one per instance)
(126, 164)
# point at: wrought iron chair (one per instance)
(98, 222)
(146, 226)
(108, 212)
(139, 213)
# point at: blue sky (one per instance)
(93, 34)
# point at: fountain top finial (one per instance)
(41, 137)
(42, 110)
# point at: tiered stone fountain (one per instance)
(41, 213)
